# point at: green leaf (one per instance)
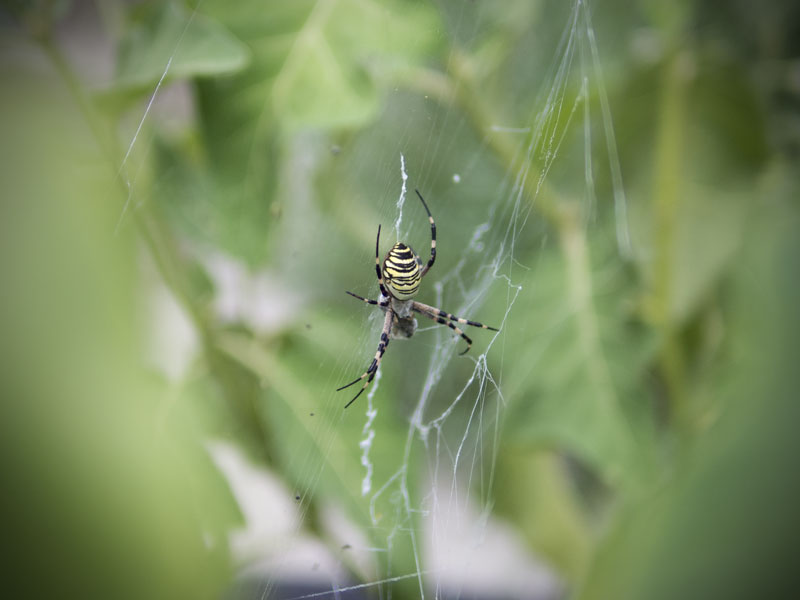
(207, 206)
(724, 526)
(166, 38)
(325, 77)
(314, 442)
(578, 387)
(724, 147)
(313, 64)
(316, 64)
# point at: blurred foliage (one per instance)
(168, 34)
(646, 448)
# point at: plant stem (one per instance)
(666, 205)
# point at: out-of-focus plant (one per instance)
(647, 449)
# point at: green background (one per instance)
(646, 443)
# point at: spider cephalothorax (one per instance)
(399, 281)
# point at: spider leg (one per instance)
(376, 362)
(433, 237)
(447, 315)
(431, 315)
(378, 265)
(368, 301)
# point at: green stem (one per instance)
(667, 195)
(575, 249)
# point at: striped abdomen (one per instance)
(402, 271)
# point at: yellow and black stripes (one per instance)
(401, 272)
(444, 321)
(442, 317)
(433, 236)
(447, 315)
(373, 367)
(399, 281)
(368, 301)
(402, 269)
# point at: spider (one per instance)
(399, 281)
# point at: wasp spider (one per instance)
(399, 281)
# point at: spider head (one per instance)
(402, 271)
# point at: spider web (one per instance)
(451, 530)
(451, 440)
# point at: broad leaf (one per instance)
(166, 40)
(580, 388)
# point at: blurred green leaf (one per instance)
(165, 38)
(314, 65)
(320, 58)
(105, 483)
(545, 507)
(724, 147)
(208, 207)
(287, 158)
(585, 391)
(314, 441)
(38, 16)
(724, 525)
